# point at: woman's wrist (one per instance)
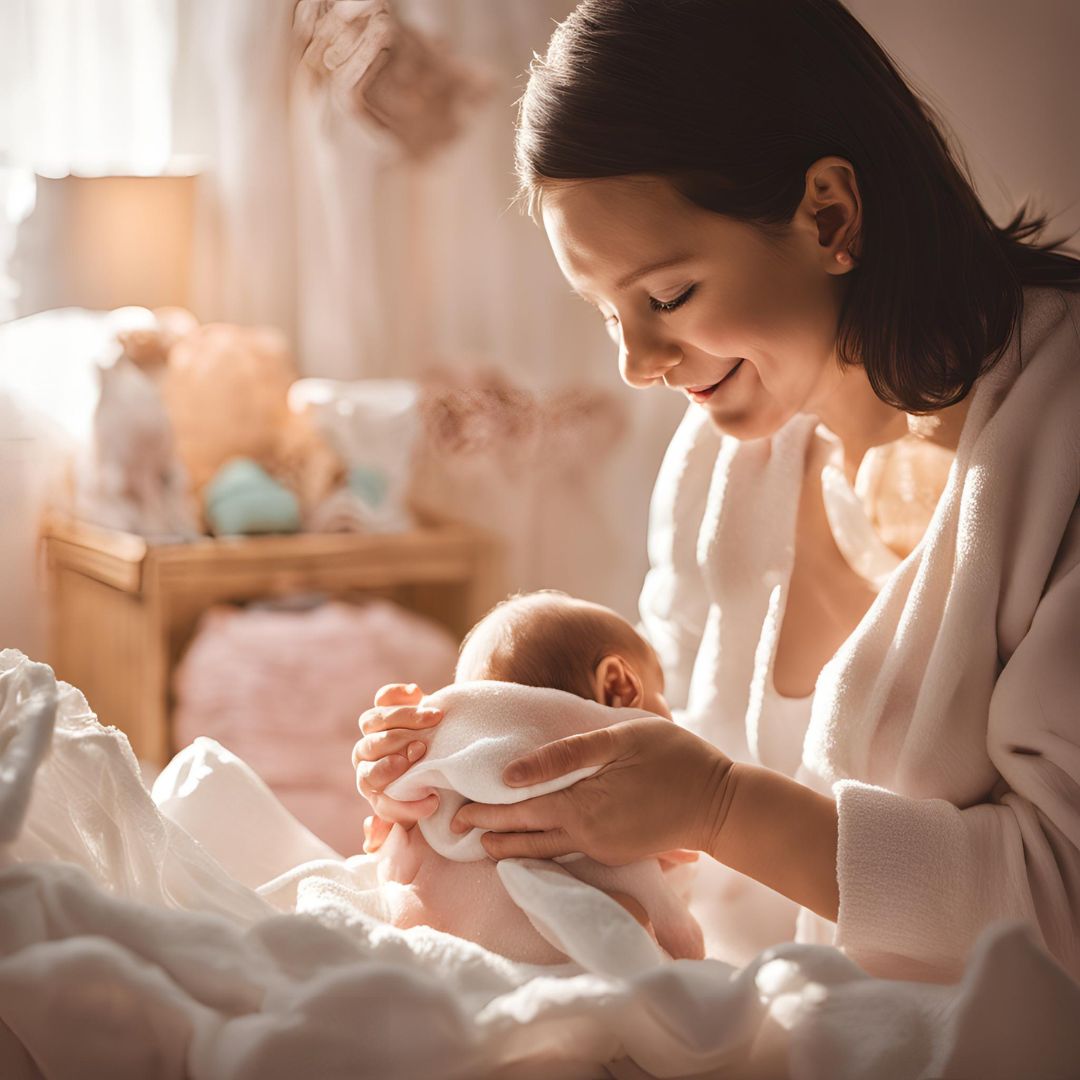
(718, 791)
(774, 829)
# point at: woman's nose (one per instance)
(644, 362)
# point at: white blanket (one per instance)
(128, 950)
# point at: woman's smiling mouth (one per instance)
(701, 394)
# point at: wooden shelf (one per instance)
(124, 608)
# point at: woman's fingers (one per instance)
(407, 813)
(374, 777)
(397, 693)
(382, 744)
(383, 718)
(528, 816)
(562, 757)
(376, 830)
(527, 845)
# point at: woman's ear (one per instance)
(833, 204)
(617, 684)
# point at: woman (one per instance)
(864, 543)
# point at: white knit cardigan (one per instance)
(948, 724)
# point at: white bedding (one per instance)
(209, 935)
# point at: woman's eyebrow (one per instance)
(651, 268)
(629, 280)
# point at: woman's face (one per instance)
(741, 322)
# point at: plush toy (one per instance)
(226, 390)
(243, 498)
(132, 479)
(146, 341)
(372, 424)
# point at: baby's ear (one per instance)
(617, 684)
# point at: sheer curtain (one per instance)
(86, 88)
(378, 266)
(87, 85)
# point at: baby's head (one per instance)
(554, 640)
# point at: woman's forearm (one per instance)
(779, 832)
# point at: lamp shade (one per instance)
(105, 242)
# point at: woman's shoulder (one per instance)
(1036, 382)
(1048, 329)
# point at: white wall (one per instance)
(1006, 77)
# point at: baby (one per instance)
(550, 639)
(544, 640)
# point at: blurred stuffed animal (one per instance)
(146, 341)
(226, 390)
(132, 479)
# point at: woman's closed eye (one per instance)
(662, 306)
(611, 322)
(671, 305)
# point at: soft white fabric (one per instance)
(721, 548)
(127, 950)
(87, 85)
(948, 724)
(487, 725)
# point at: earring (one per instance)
(844, 258)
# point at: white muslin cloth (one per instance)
(128, 950)
(487, 725)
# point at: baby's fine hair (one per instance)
(546, 638)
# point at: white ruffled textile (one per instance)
(948, 725)
(128, 950)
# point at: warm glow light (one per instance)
(107, 242)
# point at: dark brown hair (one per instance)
(732, 101)
(547, 638)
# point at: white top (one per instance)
(948, 725)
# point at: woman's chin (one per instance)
(748, 423)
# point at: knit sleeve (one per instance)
(673, 604)
(921, 878)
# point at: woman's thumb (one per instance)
(559, 758)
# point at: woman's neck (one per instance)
(861, 420)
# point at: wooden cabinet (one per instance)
(123, 609)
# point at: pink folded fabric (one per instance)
(283, 690)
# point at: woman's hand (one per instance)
(659, 788)
(391, 743)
